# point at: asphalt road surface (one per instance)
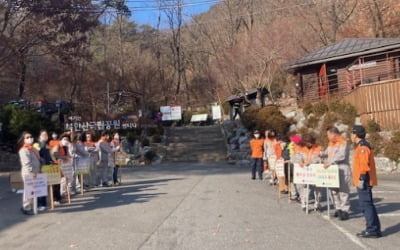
(192, 206)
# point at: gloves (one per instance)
(361, 183)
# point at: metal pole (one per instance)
(327, 197)
(308, 196)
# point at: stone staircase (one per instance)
(195, 144)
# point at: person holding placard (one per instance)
(79, 153)
(290, 149)
(338, 153)
(45, 159)
(364, 178)
(62, 153)
(30, 165)
(115, 143)
(310, 154)
(269, 154)
(90, 147)
(256, 161)
(104, 153)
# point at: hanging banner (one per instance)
(53, 174)
(327, 177)
(305, 175)
(35, 186)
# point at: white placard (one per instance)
(199, 118)
(305, 175)
(176, 113)
(82, 165)
(35, 187)
(165, 109)
(216, 112)
(327, 177)
(280, 167)
(68, 170)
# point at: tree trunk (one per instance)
(22, 78)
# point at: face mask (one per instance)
(28, 141)
(65, 143)
(257, 136)
(54, 137)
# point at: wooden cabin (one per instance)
(364, 72)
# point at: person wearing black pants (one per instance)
(364, 178)
(256, 161)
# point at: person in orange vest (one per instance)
(338, 153)
(310, 154)
(256, 162)
(54, 140)
(364, 178)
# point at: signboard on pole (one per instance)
(35, 187)
(53, 174)
(121, 159)
(327, 177)
(82, 165)
(68, 170)
(305, 175)
(216, 112)
(280, 168)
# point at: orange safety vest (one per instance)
(363, 163)
(257, 148)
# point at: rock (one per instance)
(234, 147)
(243, 140)
(385, 164)
(342, 127)
(244, 147)
(290, 114)
(292, 128)
(234, 140)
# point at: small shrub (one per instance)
(149, 156)
(373, 126)
(312, 122)
(396, 137)
(392, 151)
(186, 117)
(319, 109)
(376, 141)
(145, 142)
(308, 109)
(156, 139)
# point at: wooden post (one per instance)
(51, 197)
(68, 192)
(289, 185)
(35, 204)
(81, 180)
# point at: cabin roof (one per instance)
(347, 48)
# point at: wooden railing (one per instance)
(379, 101)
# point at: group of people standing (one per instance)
(303, 150)
(69, 148)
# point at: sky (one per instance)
(143, 11)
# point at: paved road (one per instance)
(191, 206)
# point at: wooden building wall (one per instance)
(378, 101)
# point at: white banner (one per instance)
(305, 175)
(35, 187)
(280, 167)
(68, 170)
(327, 177)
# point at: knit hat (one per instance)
(296, 139)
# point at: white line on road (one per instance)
(386, 192)
(351, 237)
(389, 215)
